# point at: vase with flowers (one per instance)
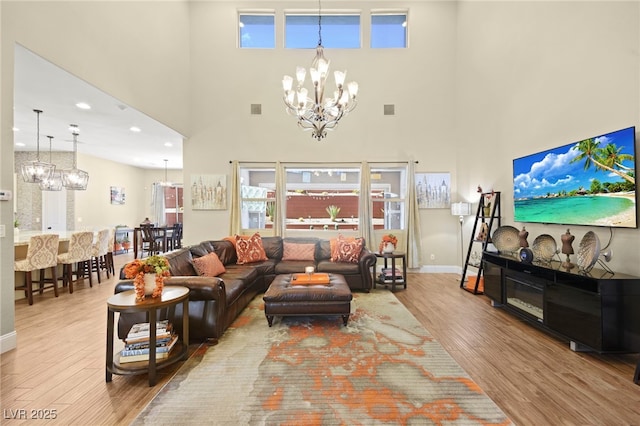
(148, 275)
(388, 243)
(486, 209)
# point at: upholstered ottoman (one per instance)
(288, 296)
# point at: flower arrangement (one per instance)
(151, 265)
(388, 238)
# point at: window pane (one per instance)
(257, 192)
(388, 31)
(338, 31)
(388, 195)
(314, 193)
(257, 31)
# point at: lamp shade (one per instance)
(460, 209)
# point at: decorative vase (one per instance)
(388, 248)
(149, 284)
(486, 211)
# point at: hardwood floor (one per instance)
(534, 377)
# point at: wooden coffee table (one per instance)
(285, 298)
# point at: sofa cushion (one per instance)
(181, 263)
(208, 265)
(249, 249)
(347, 250)
(272, 247)
(293, 251)
(202, 249)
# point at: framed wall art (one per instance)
(117, 195)
(209, 192)
(433, 190)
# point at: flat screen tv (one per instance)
(590, 182)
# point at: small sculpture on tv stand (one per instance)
(522, 235)
(567, 240)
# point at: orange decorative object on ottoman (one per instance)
(326, 294)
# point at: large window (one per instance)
(388, 30)
(338, 31)
(257, 30)
(324, 198)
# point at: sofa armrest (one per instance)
(366, 262)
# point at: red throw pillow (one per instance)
(250, 249)
(209, 265)
(348, 250)
(294, 251)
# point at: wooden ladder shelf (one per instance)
(486, 222)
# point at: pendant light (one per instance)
(166, 180)
(54, 182)
(36, 171)
(74, 178)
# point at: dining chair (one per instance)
(42, 253)
(175, 241)
(153, 239)
(80, 253)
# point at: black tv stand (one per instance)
(598, 311)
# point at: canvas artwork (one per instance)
(117, 195)
(208, 192)
(433, 190)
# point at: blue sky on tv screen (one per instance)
(551, 171)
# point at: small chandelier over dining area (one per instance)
(36, 171)
(53, 182)
(74, 178)
(318, 113)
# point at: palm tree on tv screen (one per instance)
(608, 158)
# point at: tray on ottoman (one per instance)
(285, 298)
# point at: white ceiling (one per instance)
(104, 129)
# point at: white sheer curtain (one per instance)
(236, 208)
(364, 207)
(157, 204)
(414, 239)
(279, 221)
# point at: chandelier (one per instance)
(53, 182)
(74, 178)
(318, 114)
(36, 171)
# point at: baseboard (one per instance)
(8, 342)
(440, 269)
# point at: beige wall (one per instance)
(481, 84)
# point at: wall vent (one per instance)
(390, 109)
(256, 109)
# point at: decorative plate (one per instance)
(506, 239)
(588, 251)
(544, 248)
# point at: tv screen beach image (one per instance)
(590, 182)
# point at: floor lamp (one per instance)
(461, 210)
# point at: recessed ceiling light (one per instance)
(83, 105)
(15, 129)
(134, 129)
(168, 144)
(20, 144)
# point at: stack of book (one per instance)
(137, 342)
(387, 275)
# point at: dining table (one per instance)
(166, 233)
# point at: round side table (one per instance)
(389, 276)
(126, 302)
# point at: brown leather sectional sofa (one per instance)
(214, 302)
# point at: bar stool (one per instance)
(42, 253)
(80, 252)
(110, 247)
(99, 254)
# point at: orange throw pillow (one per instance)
(348, 249)
(333, 244)
(209, 265)
(249, 250)
(294, 251)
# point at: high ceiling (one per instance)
(104, 129)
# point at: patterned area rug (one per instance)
(382, 368)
